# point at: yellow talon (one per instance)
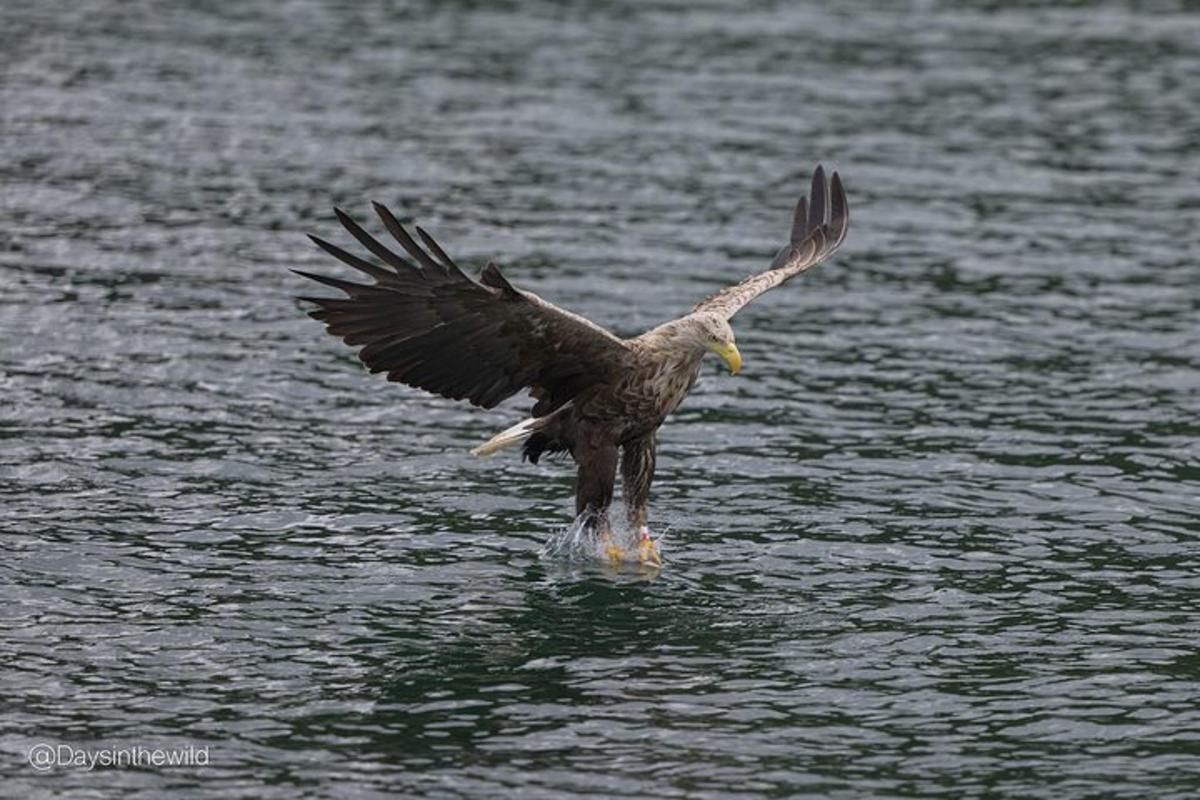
(611, 549)
(648, 550)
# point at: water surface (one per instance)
(938, 539)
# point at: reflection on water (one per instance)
(937, 539)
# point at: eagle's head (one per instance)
(711, 332)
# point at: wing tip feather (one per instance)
(819, 226)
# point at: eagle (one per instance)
(601, 398)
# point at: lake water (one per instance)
(938, 538)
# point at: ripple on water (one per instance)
(937, 539)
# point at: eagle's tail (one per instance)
(507, 438)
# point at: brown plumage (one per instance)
(599, 397)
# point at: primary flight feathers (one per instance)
(426, 324)
(819, 226)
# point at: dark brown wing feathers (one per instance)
(819, 227)
(428, 325)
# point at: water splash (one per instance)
(582, 541)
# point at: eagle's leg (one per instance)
(594, 490)
(637, 473)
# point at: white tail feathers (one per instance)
(514, 435)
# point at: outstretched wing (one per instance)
(818, 228)
(428, 325)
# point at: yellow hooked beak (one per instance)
(730, 355)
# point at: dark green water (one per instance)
(938, 539)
